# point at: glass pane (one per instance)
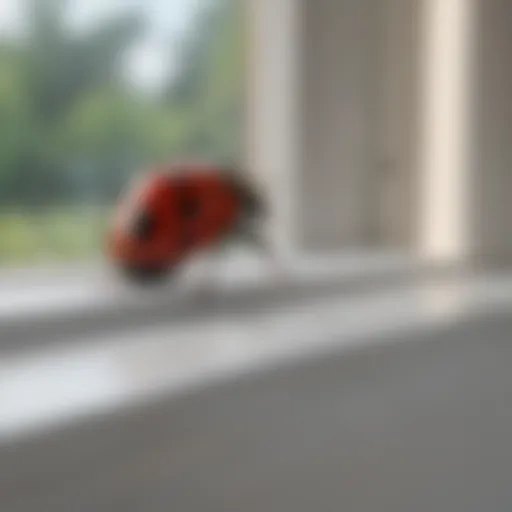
(91, 92)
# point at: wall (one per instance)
(331, 120)
(337, 100)
(491, 211)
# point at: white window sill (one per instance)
(44, 306)
(58, 386)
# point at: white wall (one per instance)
(313, 100)
(396, 173)
(273, 107)
(446, 120)
(385, 122)
(466, 163)
(491, 212)
(338, 103)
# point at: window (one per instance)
(90, 93)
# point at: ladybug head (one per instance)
(251, 198)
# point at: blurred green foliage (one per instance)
(60, 234)
(73, 128)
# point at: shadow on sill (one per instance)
(164, 308)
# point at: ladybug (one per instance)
(173, 212)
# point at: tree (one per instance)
(62, 66)
(44, 78)
(209, 84)
(71, 126)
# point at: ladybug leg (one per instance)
(206, 285)
(264, 246)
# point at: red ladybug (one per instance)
(173, 213)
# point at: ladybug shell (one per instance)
(168, 216)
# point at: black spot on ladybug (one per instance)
(143, 226)
(190, 207)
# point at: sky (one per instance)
(149, 61)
